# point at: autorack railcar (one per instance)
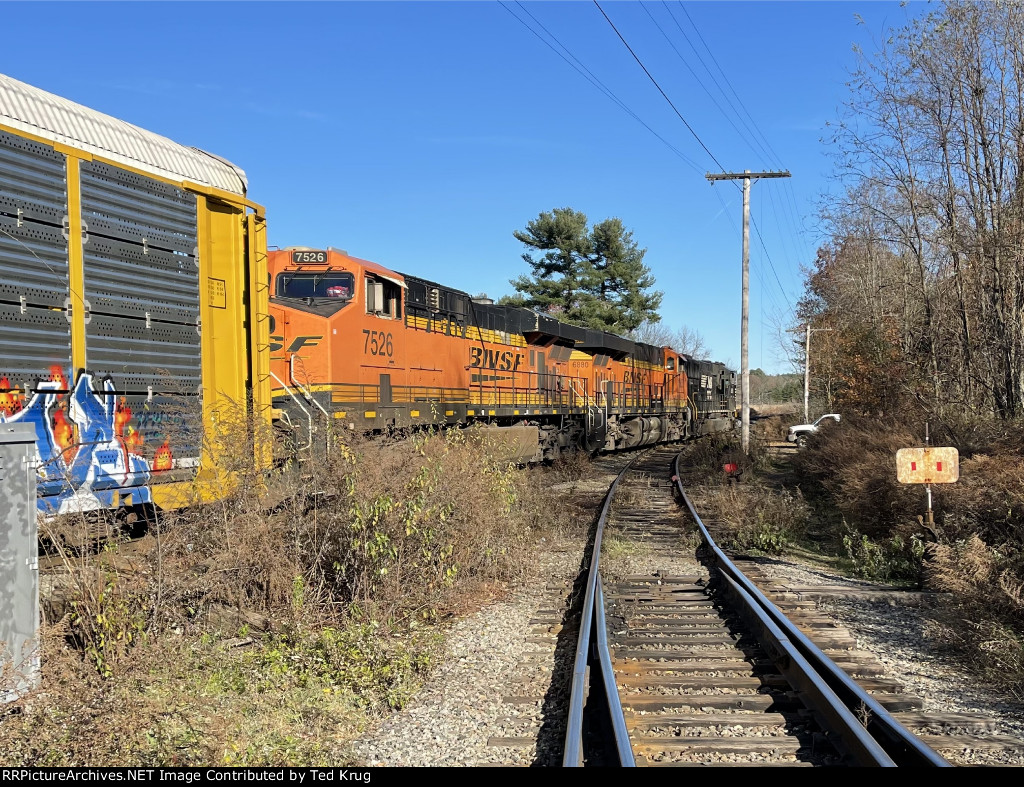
(132, 290)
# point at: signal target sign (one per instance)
(927, 465)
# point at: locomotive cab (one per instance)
(335, 332)
(324, 292)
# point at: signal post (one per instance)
(928, 465)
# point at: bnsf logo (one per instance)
(635, 378)
(506, 361)
(277, 342)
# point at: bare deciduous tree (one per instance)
(682, 339)
(927, 237)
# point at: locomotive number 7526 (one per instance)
(377, 343)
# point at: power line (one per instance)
(590, 77)
(697, 77)
(700, 59)
(770, 263)
(727, 82)
(655, 82)
(587, 74)
(790, 209)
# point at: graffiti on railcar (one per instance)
(89, 447)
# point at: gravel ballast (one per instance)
(487, 704)
(895, 633)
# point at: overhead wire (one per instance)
(790, 209)
(655, 82)
(698, 79)
(695, 135)
(784, 234)
(725, 77)
(751, 142)
(782, 289)
(583, 71)
(590, 77)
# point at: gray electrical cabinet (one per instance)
(19, 561)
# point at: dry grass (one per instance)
(775, 426)
(779, 409)
(621, 555)
(573, 466)
(264, 628)
(745, 514)
(983, 616)
(854, 468)
(976, 549)
(750, 518)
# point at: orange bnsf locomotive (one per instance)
(357, 346)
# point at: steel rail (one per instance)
(853, 737)
(573, 752)
(900, 746)
(611, 690)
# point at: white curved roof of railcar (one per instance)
(51, 117)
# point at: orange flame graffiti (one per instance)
(63, 431)
(10, 401)
(163, 460)
(133, 441)
(122, 415)
(57, 375)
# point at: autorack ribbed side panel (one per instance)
(163, 356)
(169, 292)
(31, 343)
(35, 335)
(121, 204)
(33, 206)
(141, 281)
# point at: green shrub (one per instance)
(893, 559)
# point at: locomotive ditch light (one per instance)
(929, 465)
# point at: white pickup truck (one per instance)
(798, 434)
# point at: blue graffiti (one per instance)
(95, 471)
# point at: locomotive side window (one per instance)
(336, 286)
(383, 298)
(671, 364)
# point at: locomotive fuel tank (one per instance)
(642, 431)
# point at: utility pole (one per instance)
(745, 176)
(807, 368)
(807, 373)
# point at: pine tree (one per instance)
(619, 279)
(589, 277)
(557, 285)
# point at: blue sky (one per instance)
(422, 134)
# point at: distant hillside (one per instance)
(775, 388)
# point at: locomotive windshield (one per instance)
(336, 286)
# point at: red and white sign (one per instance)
(927, 465)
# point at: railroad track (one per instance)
(687, 662)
